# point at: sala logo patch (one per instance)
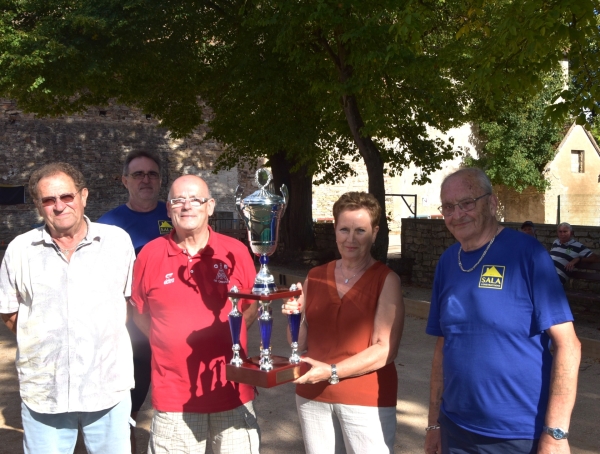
(492, 276)
(164, 227)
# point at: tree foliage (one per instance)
(521, 140)
(513, 45)
(318, 80)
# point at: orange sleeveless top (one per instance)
(340, 328)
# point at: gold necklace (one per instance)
(480, 258)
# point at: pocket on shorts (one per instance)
(163, 425)
(248, 414)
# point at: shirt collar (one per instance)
(174, 249)
(93, 233)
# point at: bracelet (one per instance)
(435, 427)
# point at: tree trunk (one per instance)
(370, 153)
(296, 229)
(366, 147)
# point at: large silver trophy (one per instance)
(262, 212)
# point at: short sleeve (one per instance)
(549, 300)
(9, 293)
(138, 285)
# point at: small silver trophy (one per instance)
(262, 212)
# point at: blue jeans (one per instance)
(104, 431)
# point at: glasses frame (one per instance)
(139, 175)
(459, 205)
(43, 200)
(177, 202)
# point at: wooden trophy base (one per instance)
(249, 372)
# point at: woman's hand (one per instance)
(292, 305)
(318, 372)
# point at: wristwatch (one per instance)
(334, 379)
(556, 433)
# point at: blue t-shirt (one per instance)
(497, 360)
(142, 227)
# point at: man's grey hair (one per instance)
(565, 224)
(475, 173)
(140, 154)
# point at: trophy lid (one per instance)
(263, 197)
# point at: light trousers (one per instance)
(353, 429)
(104, 431)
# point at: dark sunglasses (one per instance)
(64, 198)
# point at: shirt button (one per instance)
(191, 271)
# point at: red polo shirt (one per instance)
(189, 334)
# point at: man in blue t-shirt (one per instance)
(496, 306)
(144, 218)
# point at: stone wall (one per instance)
(97, 142)
(424, 241)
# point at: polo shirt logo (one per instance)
(164, 227)
(221, 276)
(169, 279)
(492, 276)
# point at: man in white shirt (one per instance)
(63, 289)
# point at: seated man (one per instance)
(528, 228)
(566, 252)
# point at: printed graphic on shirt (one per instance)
(492, 276)
(164, 227)
(169, 279)
(221, 276)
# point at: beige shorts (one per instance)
(232, 431)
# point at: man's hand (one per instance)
(433, 442)
(549, 445)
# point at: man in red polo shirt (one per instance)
(180, 290)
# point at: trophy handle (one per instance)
(239, 204)
(286, 197)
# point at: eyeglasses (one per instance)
(465, 205)
(141, 175)
(64, 198)
(195, 202)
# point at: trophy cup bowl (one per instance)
(262, 212)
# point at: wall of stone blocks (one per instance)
(424, 241)
(97, 141)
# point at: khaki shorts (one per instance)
(232, 431)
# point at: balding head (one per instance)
(191, 212)
(185, 181)
(472, 176)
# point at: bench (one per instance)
(586, 271)
(585, 304)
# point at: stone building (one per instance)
(573, 196)
(96, 142)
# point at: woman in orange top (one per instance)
(353, 316)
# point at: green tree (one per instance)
(521, 140)
(513, 45)
(343, 78)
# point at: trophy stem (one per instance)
(265, 323)
(264, 283)
(294, 324)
